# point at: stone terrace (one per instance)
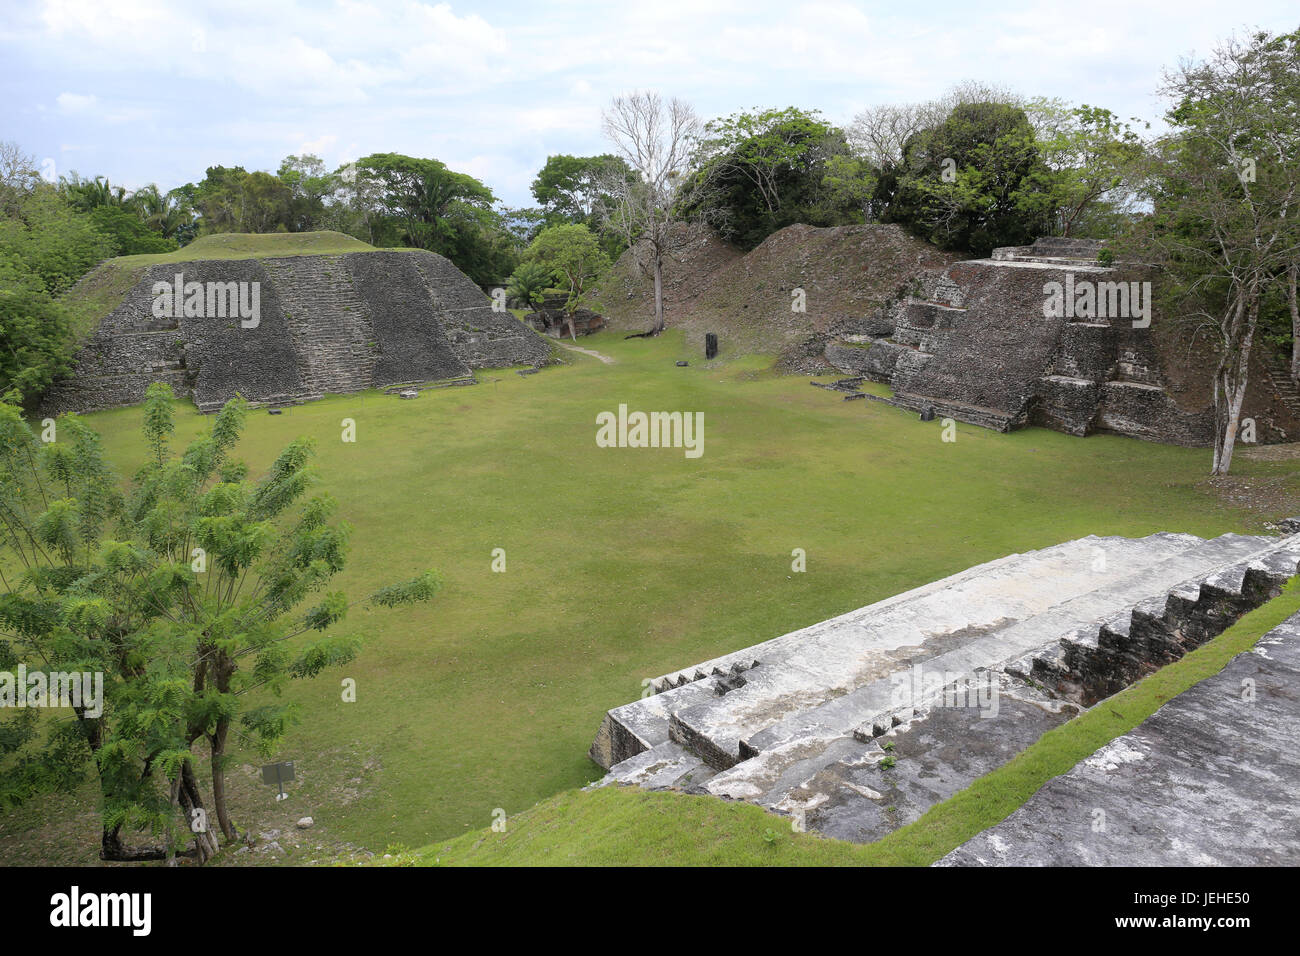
(862, 722)
(328, 324)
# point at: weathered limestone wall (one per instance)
(327, 324)
(977, 347)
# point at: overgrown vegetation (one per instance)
(186, 594)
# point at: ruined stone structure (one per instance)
(860, 723)
(327, 324)
(551, 318)
(974, 345)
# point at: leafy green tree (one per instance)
(51, 239)
(35, 332)
(128, 232)
(231, 199)
(169, 214)
(310, 186)
(529, 282)
(573, 189)
(1225, 191)
(756, 172)
(429, 200)
(975, 182)
(198, 596)
(1096, 159)
(574, 257)
(570, 187)
(88, 194)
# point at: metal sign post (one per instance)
(278, 774)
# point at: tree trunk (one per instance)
(1230, 388)
(659, 293)
(1292, 276)
(196, 815)
(112, 850)
(217, 742)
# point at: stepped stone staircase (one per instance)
(1279, 373)
(330, 324)
(859, 724)
(976, 346)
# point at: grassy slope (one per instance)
(108, 283)
(629, 827)
(244, 245)
(624, 564)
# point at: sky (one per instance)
(158, 90)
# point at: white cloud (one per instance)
(76, 102)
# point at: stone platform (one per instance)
(861, 723)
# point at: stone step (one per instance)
(860, 795)
(837, 675)
(1093, 662)
(874, 707)
(328, 321)
(990, 418)
(663, 766)
(1208, 780)
(861, 723)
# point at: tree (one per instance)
(169, 214)
(574, 256)
(19, 175)
(529, 281)
(656, 140)
(569, 187)
(879, 133)
(756, 172)
(428, 199)
(35, 332)
(52, 239)
(230, 199)
(1225, 189)
(973, 183)
(310, 184)
(1095, 158)
(189, 595)
(88, 194)
(128, 233)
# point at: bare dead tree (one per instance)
(657, 139)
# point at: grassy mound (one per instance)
(845, 272)
(102, 289)
(245, 245)
(626, 826)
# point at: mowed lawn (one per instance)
(622, 564)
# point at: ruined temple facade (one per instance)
(326, 324)
(976, 345)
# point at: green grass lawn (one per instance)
(623, 564)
